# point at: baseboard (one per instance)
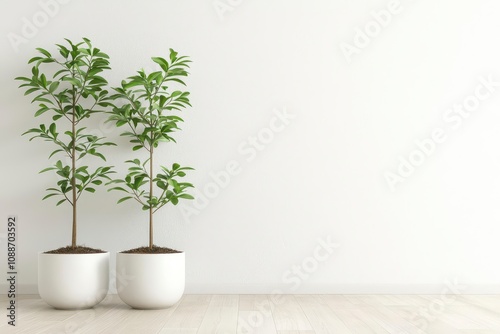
(349, 289)
(344, 289)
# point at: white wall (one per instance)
(323, 174)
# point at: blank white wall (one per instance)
(323, 173)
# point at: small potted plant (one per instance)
(71, 90)
(158, 272)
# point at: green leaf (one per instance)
(41, 111)
(123, 199)
(102, 55)
(40, 98)
(81, 169)
(90, 190)
(55, 152)
(154, 76)
(162, 62)
(46, 170)
(53, 86)
(44, 52)
(43, 80)
(176, 80)
(118, 188)
(31, 90)
(98, 155)
(173, 55)
(106, 169)
(34, 59)
(73, 81)
(132, 83)
(81, 177)
(135, 162)
(52, 130)
(49, 195)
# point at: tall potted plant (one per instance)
(147, 110)
(71, 90)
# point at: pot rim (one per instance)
(88, 254)
(171, 254)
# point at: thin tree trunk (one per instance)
(73, 171)
(150, 197)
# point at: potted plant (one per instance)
(147, 110)
(71, 90)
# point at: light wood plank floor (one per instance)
(273, 314)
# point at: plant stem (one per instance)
(151, 197)
(73, 171)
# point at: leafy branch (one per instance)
(171, 189)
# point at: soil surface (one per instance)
(76, 250)
(154, 250)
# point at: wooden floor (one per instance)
(277, 314)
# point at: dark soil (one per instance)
(76, 250)
(154, 250)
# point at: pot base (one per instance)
(150, 281)
(73, 281)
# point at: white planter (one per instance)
(73, 281)
(150, 281)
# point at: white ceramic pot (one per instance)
(73, 281)
(150, 281)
